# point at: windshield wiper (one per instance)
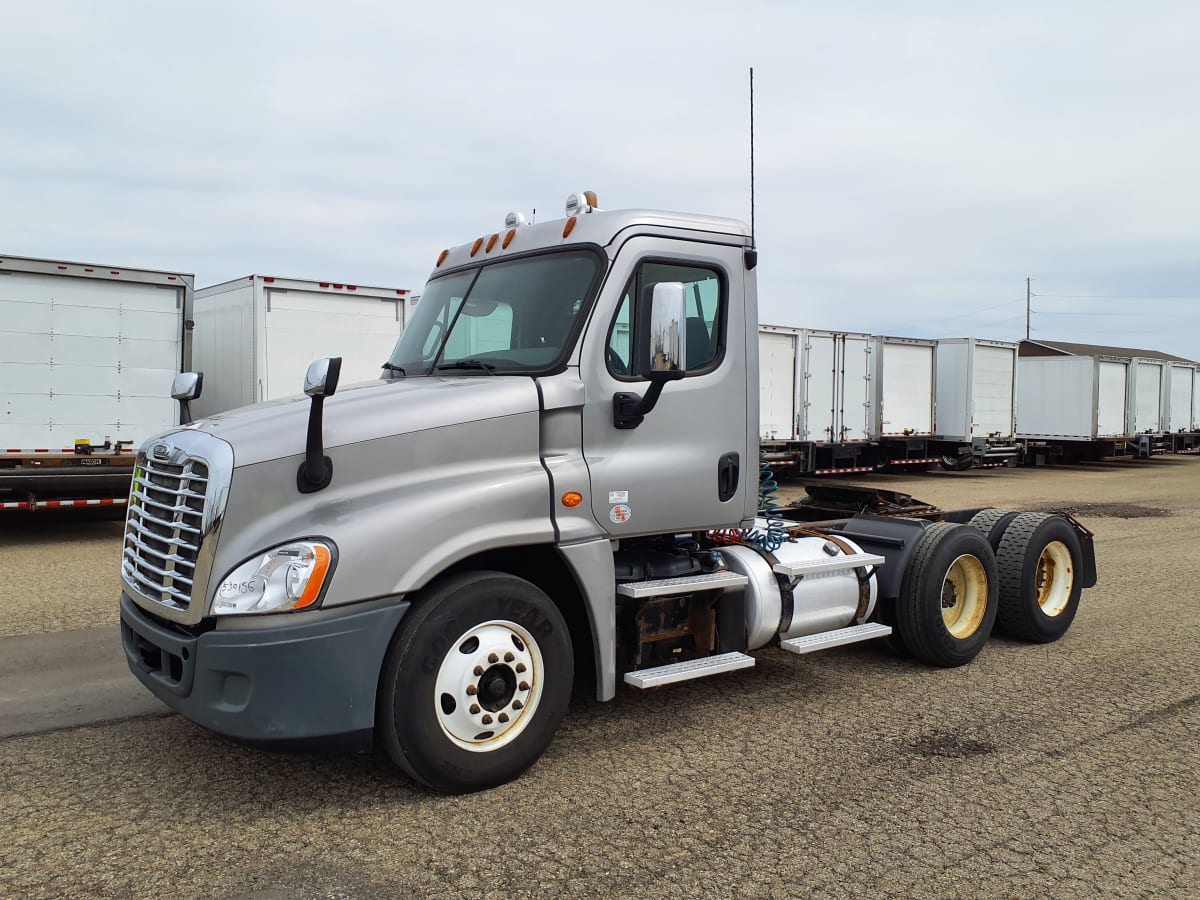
(391, 368)
(469, 364)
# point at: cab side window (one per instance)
(706, 295)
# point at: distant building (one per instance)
(1063, 348)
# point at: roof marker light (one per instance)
(514, 220)
(269, 279)
(583, 202)
(508, 238)
(491, 243)
(475, 246)
(569, 226)
(442, 258)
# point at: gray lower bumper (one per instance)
(289, 683)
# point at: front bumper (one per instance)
(295, 682)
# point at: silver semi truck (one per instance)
(555, 481)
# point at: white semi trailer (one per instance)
(557, 477)
(840, 403)
(1074, 408)
(255, 336)
(976, 401)
(87, 356)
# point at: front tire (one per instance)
(947, 603)
(1041, 564)
(476, 682)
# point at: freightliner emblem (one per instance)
(160, 451)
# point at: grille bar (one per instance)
(164, 529)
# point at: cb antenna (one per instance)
(752, 241)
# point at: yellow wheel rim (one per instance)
(1054, 579)
(964, 596)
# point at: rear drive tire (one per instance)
(993, 523)
(947, 603)
(1041, 562)
(476, 682)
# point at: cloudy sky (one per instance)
(915, 161)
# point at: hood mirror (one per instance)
(320, 382)
(186, 388)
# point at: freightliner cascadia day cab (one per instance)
(556, 479)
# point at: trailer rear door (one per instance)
(777, 396)
(992, 391)
(855, 378)
(1148, 384)
(1182, 390)
(906, 392)
(1110, 404)
(819, 415)
(302, 326)
(85, 358)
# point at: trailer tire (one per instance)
(993, 523)
(1041, 563)
(471, 636)
(955, 463)
(948, 595)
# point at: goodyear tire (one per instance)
(475, 683)
(992, 522)
(1040, 562)
(947, 602)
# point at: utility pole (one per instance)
(1028, 294)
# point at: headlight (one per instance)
(285, 578)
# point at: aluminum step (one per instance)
(852, 635)
(689, 669)
(687, 584)
(828, 565)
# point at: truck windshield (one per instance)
(516, 316)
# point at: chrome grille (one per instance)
(165, 527)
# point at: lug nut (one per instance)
(508, 657)
(478, 670)
(517, 704)
(503, 717)
(472, 690)
(524, 685)
(520, 667)
(474, 709)
(487, 720)
(493, 658)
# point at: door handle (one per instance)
(728, 470)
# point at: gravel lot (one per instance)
(1062, 770)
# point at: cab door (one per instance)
(686, 466)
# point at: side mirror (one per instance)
(668, 354)
(322, 377)
(668, 328)
(320, 382)
(185, 388)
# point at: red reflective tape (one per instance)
(62, 268)
(107, 502)
(41, 450)
(113, 272)
(89, 270)
(53, 503)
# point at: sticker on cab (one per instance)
(620, 513)
(618, 496)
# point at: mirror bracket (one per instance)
(629, 409)
(316, 471)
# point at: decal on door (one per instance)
(620, 513)
(618, 496)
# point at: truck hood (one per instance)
(367, 411)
